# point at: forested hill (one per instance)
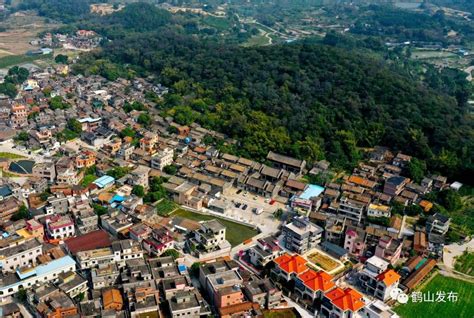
(305, 99)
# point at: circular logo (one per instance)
(395, 292)
(402, 298)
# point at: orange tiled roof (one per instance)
(112, 296)
(346, 299)
(317, 280)
(361, 181)
(291, 263)
(389, 277)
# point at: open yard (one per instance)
(465, 263)
(236, 233)
(21, 27)
(462, 308)
(323, 261)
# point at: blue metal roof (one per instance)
(104, 181)
(312, 190)
(47, 268)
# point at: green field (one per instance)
(465, 263)
(88, 179)
(257, 40)
(9, 155)
(165, 207)
(463, 308)
(236, 233)
(11, 60)
(220, 24)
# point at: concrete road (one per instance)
(450, 252)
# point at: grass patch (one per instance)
(165, 207)
(464, 307)
(9, 155)
(11, 60)
(235, 233)
(88, 179)
(257, 40)
(465, 263)
(220, 24)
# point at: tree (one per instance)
(74, 125)
(8, 89)
(194, 270)
(61, 59)
(144, 119)
(17, 75)
(99, 209)
(450, 199)
(171, 252)
(416, 169)
(22, 214)
(22, 136)
(57, 102)
(139, 191)
(170, 169)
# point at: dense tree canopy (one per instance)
(305, 99)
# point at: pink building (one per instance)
(389, 249)
(354, 242)
(160, 241)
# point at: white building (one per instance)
(162, 159)
(27, 277)
(59, 227)
(20, 254)
(378, 210)
(377, 279)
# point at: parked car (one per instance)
(239, 191)
(238, 205)
(245, 207)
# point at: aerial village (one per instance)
(105, 212)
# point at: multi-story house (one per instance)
(85, 159)
(160, 241)
(378, 210)
(389, 249)
(263, 292)
(301, 235)
(342, 303)
(20, 253)
(162, 159)
(210, 235)
(351, 209)
(27, 277)
(355, 240)
(59, 227)
(45, 170)
(148, 143)
(394, 185)
(288, 267)
(18, 116)
(265, 251)
(437, 223)
(377, 279)
(313, 285)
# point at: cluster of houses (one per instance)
(82, 40)
(97, 248)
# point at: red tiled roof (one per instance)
(291, 263)
(89, 241)
(346, 299)
(317, 280)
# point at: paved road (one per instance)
(450, 252)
